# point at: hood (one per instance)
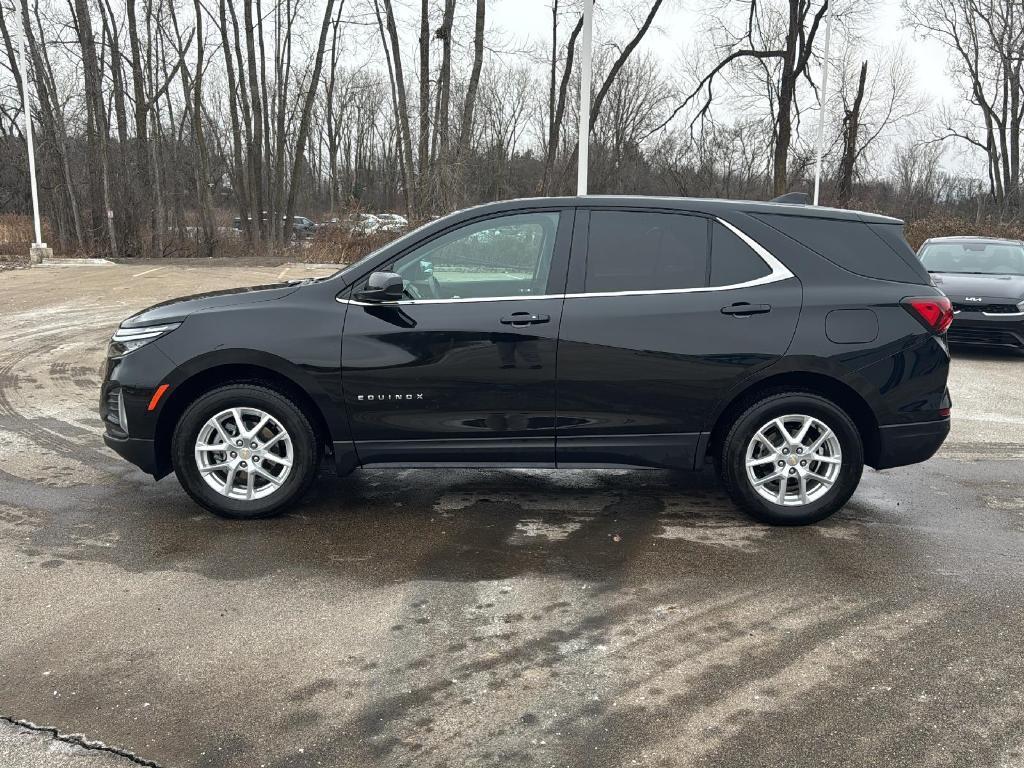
(991, 289)
(178, 309)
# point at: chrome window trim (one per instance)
(404, 302)
(778, 272)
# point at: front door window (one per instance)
(502, 257)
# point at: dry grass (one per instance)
(338, 246)
(17, 234)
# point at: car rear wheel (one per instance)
(792, 458)
(245, 451)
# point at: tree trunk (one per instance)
(439, 151)
(422, 170)
(307, 109)
(141, 194)
(202, 174)
(238, 174)
(787, 92)
(554, 136)
(97, 118)
(256, 144)
(401, 103)
(851, 124)
(469, 106)
(127, 210)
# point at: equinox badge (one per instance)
(416, 396)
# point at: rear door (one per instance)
(665, 312)
(463, 369)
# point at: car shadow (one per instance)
(382, 526)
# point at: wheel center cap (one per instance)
(245, 453)
(792, 461)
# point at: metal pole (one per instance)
(31, 149)
(586, 63)
(821, 104)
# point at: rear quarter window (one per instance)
(733, 261)
(870, 250)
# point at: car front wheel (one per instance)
(244, 451)
(792, 458)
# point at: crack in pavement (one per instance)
(79, 740)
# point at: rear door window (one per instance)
(644, 251)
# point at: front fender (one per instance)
(318, 384)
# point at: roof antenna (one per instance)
(792, 198)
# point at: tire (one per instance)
(807, 499)
(287, 436)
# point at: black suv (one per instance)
(788, 345)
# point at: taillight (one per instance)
(935, 312)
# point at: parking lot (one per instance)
(472, 618)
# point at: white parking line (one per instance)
(154, 269)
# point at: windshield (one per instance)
(974, 258)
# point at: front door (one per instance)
(463, 369)
(665, 313)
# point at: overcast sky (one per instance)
(679, 22)
(530, 20)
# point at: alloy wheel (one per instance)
(244, 453)
(793, 460)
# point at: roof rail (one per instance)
(793, 198)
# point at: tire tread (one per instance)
(731, 478)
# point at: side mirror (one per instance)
(381, 286)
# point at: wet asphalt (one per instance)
(479, 618)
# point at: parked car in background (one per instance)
(392, 222)
(302, 227)
(984, 278)
(788, 345)
(362, 223)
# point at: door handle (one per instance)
(521, 319)
(742, 308)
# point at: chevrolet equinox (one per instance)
(787, 345)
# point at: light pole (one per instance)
(38, 249)
(821, 105)
(586, 64)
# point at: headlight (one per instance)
(127, 340)
(1020, 305)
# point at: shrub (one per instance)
(920, 230)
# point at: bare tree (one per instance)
(97, 131)
(469, 104)
(556, 112)
(307, 110)
(174, 115)
(851, 126)
(986, 38)
(783, 41)
(393, 53)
